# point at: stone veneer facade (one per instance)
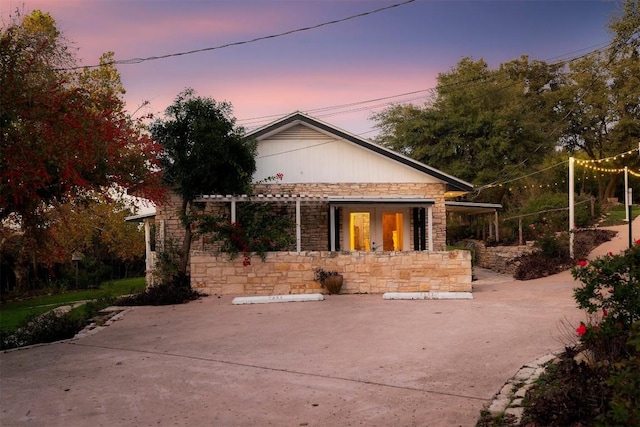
(364, 272)
(314, 215)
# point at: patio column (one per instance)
(430, 221)
(298, 229)
(233, 212)
(332, 228)
(147, 245)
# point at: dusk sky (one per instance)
(381, 55)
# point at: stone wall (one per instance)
(499, 258)
(364, 272)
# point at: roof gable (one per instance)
(307, 150)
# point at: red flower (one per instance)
(581, 330)
(582, 263)
(638, 242)
(604, 312)
(610, 253)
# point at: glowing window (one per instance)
(392, 231)
(360, 231)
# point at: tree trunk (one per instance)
(610, 190)
(601, 190)
(186, 244)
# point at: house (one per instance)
(374, 215)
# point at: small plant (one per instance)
(330, 280)
(322, 274)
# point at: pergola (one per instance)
(472, 208)
(423, 235)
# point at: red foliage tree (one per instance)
(64, 133)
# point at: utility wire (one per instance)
(272, 36)
(255, 122)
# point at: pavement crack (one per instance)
(283, 370)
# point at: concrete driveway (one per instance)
(351, 360)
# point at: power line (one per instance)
(272, 36)
(255, 122)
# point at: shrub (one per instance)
(259, 228)
(53, 326)
(567, 394)
(552, 255)
(624, 406)
(610, 294)
(597, 381)
(162, 294)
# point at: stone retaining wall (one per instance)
(499, 258)
(364, 272)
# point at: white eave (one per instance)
(413, 200)
(472, 207)
(141, 217)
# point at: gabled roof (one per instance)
(297, 118)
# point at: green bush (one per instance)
(597, 381)
(610, 294)
(546, 214)
(52, 325)
(260, 228)
(624, 406)
(162, 294)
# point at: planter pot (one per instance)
(333, 284)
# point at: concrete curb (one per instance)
(427, 295)
(265, 299)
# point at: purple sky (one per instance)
(389, 53)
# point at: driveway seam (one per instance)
(288, 371)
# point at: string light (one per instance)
(606, 159)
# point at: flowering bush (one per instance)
(259, 228)
(610, 294)
(611, 288)
(597, 381)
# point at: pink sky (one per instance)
(392, 52)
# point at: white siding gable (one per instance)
(308, 155)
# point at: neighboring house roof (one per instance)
(331, 133)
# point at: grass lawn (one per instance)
(617, 214)
(14, 312)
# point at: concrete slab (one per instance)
(266, 299)
(427, 295)
(352, 360)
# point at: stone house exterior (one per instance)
(374, 215)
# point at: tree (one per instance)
(63, 133)
(97, 229)
(601, 103)
(203, 153)
(482, 123)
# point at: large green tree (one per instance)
(602, 102)
(482, 123)
(204, 152)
